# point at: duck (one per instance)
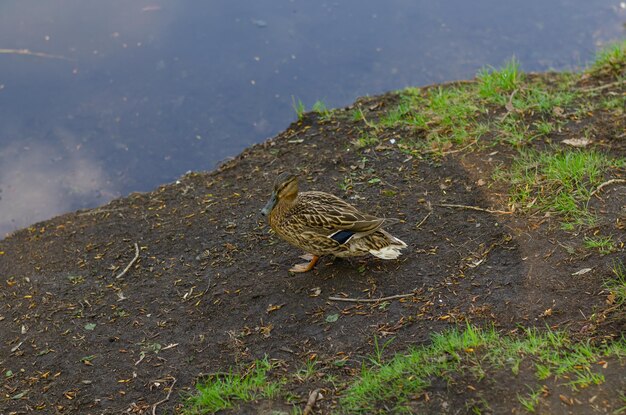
(323, 224)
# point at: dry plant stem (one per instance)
(130, 264)
(375, 127)
(501, 212)
(313, 396)
(167, 398)
(423, 220)
(607, 183)
(97, 211)
(458, 150)
(370, 300)
(605, 86)
(509, 105)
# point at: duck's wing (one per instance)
(333, 217)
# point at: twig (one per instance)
(370, 300)
(31, 53)
(313, 396)
(374, 127)
(99, 210)
(458, 150)
(607, 183)
(509, 105)
(501, 212)
(130, 264)
(445, 153)
(605, 86)
(167, 398)
(423, 220)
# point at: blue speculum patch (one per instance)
(342, 236)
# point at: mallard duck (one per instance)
(321, 224)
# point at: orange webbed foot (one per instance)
(306, 266)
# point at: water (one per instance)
(130, 95)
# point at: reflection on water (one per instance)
(129, 95)
(40, 177)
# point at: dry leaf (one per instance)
(271, 307)
(577, 142)
(610, 299)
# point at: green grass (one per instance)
(366, 139)
(496, 86)
(610, 59)
(558, 181)
(617, 285)
(603, 244)
(307, 371)
(502, 104)
(536, 96)
(514, 131)
(223, 391)
(529, 402)
(445, 115)
(545, 127)
(388, 385)
(554, 356)
(455, 114)
(322, 110)
(357, 114)
(616, 104)
(298, 107)
(622, 409)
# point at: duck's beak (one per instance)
(269, 205)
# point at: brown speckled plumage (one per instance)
(322, 224)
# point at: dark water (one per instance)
(132, 94)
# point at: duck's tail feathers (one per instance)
(391, 251)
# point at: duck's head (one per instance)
(285, 188)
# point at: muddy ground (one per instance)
(210, 287)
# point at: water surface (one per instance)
(125, 96)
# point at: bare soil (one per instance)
(210, 287)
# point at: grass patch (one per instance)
(495, 86)
(603, 244)
(439, 116)
(615, 104)
(617, 285)
(611, 59)
(559, 182)
(222, 391)
(385, 386)
(545, 127)
(366, 139)
(307, 371)
(322, 110)
(504, 104)
(514, 131)
(456, 114)
(530, 401)
(554, 355)
(622, 409)
(298, 107)
(538, 97)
